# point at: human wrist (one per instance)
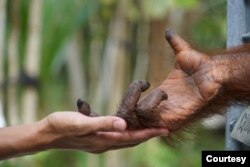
(40, 137)
(25, 139)
(46, 135)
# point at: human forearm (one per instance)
(72, 130)
(24, 139)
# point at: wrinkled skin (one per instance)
(197, 87)
(72, 130)
(189, 87)
(137, 116)
(143, 114)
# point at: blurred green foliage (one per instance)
(185, 153)
(59, 22)
(210, 32)
(61, 18)
(186, 4)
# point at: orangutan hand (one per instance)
(190, 86)
(198, 86)
(180, 97)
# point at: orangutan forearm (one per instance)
(232, 70)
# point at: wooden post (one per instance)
(238, 24)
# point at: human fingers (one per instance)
(132, 137)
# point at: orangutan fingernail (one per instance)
(168, 34)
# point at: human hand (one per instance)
(73, 130)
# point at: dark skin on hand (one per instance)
(180, 97)
(198, 86)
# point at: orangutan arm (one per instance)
(232, 71)
(198, 86)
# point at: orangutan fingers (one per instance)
(94, 114)
(83, 107)
(176, 42)
(152, 100)
(132, 95)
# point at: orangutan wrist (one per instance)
(220, 69)
(232, 72)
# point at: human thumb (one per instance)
(107, 123)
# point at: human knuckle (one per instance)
(105, 124)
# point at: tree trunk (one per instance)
(114, 72)
(142, 57)
(2, 37)
(161, 55)
(32, 60)
(94, 71)
(13, 118)
(76, 73)
(160, 59)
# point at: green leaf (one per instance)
(186, 3)
(155, 9)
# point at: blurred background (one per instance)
(54, 51)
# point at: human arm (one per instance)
(71, 130)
